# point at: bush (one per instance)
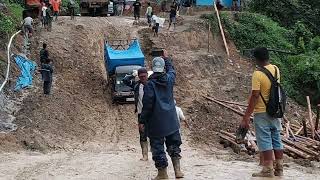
(288, 12)
(300, 73)
(10, 20)
(250, 30)
(7, 25)
(65, 6)
(15, 11)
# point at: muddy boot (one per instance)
(278, 170)
(162, 174)
(176, 166)
(144, 147)
(267, 171)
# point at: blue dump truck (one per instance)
(122, 57)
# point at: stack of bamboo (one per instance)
(300, 140)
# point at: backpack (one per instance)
(277, 100)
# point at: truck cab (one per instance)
(121, 92)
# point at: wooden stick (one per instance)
(318, 117)
(299, 130)
(236, 147)
(226, 106)
(309, 140)
(297, 152)
(231, 102)
(228, 134)
(304, 125)
(209, 31)
(221, 29)
(309, 151)
(289, 128)
(310, 117)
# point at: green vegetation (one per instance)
(301, 72)
(10, 19)
(288, 12)
(65, 6)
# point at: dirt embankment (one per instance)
(79, 113)
(80, 109)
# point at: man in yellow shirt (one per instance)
(267, 128)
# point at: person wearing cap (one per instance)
(267, 128)
(160, 117)
(138, 86)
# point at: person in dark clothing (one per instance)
(138, 95)
(235, 5)
(46, 72)
(219, 5)
(71, 8)
(173, 15)
(160, 117)
(136, 10)
(44, 54)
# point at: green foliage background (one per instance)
(300, 72)
(10, 19)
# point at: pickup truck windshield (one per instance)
(120, 86)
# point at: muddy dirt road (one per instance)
(77, 133)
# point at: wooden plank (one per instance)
(231, 102)
(297, 152)
(221, 30)
(226, 106)
(310, 117)
(303, 148)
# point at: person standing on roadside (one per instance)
(46, 72)
(136, 10)
(267, 128)
(160, 117)
(44, 54)
(71, 7)
(44, 15)
(56, 8)
(163, 7)
(155, 25)
(149, 13)
(173, 15)
(138, 86)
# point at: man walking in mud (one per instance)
(267, 128)
(138, 86)
(136, 10)
(160, 118)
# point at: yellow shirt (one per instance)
(261, 82)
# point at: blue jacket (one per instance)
(129, 81)
(159, 112)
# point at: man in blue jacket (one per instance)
(160, 117)
(138, 86)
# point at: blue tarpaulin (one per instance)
(27, 68)
(131, 56)
(225, 3)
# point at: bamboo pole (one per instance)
(310, 117)
(221, 29)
